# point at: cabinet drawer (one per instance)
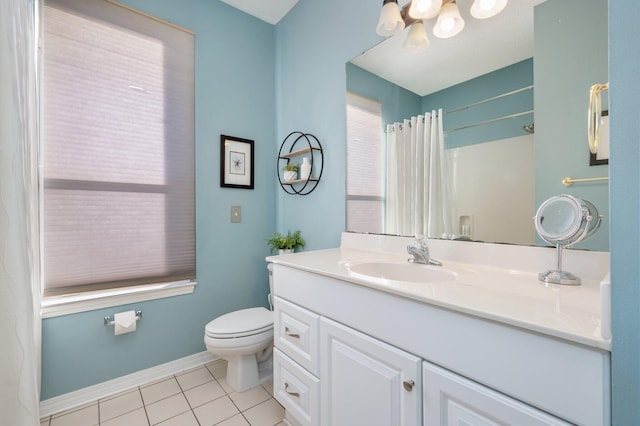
(450, 399)
(296, 389)
(296, 334)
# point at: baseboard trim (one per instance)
(111, 387)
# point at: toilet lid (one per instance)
(240, 323)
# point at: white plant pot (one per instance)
(290, 175)
(285, 251)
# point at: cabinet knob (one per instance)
(290, 334)
(408, 385)
(286, 389)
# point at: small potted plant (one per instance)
(290, 172)
(285, 243)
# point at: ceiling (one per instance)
(271, 11)
(483, 46)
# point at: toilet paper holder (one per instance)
(109, 321)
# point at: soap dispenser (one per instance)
(305, 169)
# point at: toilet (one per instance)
(244, 339)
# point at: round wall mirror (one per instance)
(564, 220)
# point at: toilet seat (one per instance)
(242, 323)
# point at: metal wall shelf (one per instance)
(293, 146)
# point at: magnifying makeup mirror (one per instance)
(564, 220)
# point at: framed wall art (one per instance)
(236, 162)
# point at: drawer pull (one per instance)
(408, 385)
(294, 394)
(290, 334)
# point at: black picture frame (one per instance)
(236, 162)
(599, 158)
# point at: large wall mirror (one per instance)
(509, 97)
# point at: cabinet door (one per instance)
(365, 381)
(450, 399)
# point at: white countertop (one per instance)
(514, 297)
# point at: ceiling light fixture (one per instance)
(425, 9)
(390, 21)
(449, 23)
(417, 39)
(483, 9)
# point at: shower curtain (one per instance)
(19, 288)
(419, 195)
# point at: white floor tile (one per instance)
(218, 368)
(160, 390)
(249, 398)
(215, 411)
(184, 419)
(225, 385)
(268, 413)
(268, 386)
(194, 378)
(237, 420)
(205, 402)
(119, 405)
(87, 416)
(167, 408)
(204, 393)
(133, 418)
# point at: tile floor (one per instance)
(199, 397)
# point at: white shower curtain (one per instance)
(19, 302)
(419, 195)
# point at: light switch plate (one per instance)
(236, 214)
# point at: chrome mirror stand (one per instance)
(563, 221)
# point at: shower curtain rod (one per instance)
(482, 123)
(513, 92)
(524, 89)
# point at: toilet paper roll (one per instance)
(125, 322)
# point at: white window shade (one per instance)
(365, 165)
(118, 148)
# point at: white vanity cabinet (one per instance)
(365, 381)
(450, 399)
(347, 354)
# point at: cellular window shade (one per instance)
(365, 160)
(118, 148)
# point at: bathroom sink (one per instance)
(411, 272)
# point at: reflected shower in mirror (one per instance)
(491, 92)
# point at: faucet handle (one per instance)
(420, 241)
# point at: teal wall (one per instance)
(624, 93)
(313, 44)
(504, 80)
(570, 56)
(235, 95)
(397, 103)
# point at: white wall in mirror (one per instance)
(492, 215)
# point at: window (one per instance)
(365, 165)
(118, 149)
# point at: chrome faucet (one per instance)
(420, 252)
